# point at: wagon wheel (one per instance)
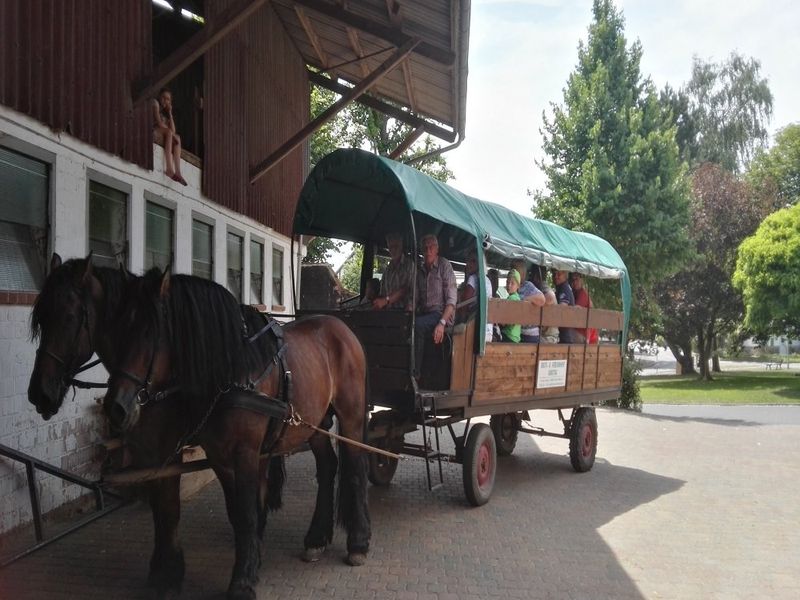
(480, 464)
(583, 439)
(381, 468)
(505, 429)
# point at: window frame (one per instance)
(260, 242)
(278, 304)
(211, 223)
(229, 232)
(47, 159)
(171, 207)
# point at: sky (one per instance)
(522, 52)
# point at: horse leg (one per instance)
(353, 508)
(320, 532)
(166, 563)
(270, 491)
(245, 507)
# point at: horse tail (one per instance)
(276, 477)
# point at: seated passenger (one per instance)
(528, 292)
(512, 332)
(549, 335)
(396, 285)
(494, 277)
(583, 299)
(469, 290)
(437, 298)
(567, 335)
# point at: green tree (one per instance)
(777, 171)
(722, 113)
(699, 301)
(613, 165)
(768, 275)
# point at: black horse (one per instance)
(73, 318)
(187, 333)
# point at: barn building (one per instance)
(80, 171)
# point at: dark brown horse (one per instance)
(72, 319)
(186, 333)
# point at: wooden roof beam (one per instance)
(312, 36)
(384, 107)
(387, 33)
(273, 159)
(197, 45)
(355, 44)
(412, 99)
(412, 137)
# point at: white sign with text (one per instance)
(552, 373)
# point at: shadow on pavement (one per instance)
(537, 538)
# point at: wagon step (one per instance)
(430, 449)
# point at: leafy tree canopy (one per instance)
(768, 275)
(722, 113)
(699, 301)
(613, 165)
(777, 171)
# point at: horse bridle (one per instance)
(68, 378)
(144, 395)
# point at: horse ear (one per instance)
(165, 282)
(87, 273)
(55, 261)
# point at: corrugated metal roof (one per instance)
(350, 38)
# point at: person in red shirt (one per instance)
(582, 299)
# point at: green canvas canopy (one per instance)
(356, 195)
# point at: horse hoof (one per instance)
(356, 559)
(312, 554)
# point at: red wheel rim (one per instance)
(484, 464)
(586, 441)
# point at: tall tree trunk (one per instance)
(702, 349)
(715, 355)
(683, 354)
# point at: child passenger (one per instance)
(513, 332)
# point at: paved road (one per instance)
(678, 506)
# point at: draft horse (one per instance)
(73, 318)
(183, 332)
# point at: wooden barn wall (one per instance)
(70, 65)
(256, 97)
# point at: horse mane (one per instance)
(207, 331)
(48, 306)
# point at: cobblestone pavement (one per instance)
(675, 507)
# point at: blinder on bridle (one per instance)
(144, 395)
(68, 378)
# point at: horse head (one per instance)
(143, 366)
(64, 319)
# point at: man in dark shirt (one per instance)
(567, 335)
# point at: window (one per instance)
(108, 225)
(158, 238)
(256, 272)
(277, 277)
(235, 247)
(202, 249)
(23, 222)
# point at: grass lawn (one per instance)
(727, 388)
